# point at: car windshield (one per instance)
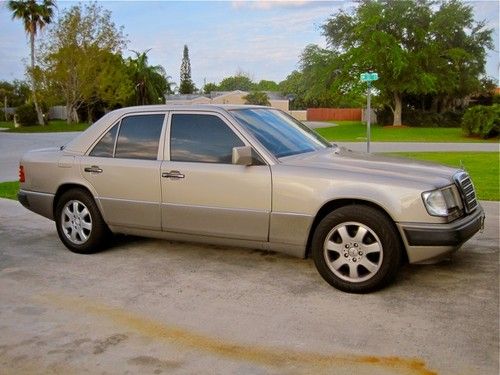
(280, 133)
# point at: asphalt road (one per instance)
(159, 307)
(13, 145)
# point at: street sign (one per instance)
(368, 77)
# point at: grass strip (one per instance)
(9, 189)
(355, 131)
(52, 127)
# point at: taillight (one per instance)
(22, 178)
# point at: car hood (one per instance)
(343, 160)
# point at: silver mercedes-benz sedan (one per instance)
(250, 176)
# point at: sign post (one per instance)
(368, 78)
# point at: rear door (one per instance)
(202, 192)
(124, 169)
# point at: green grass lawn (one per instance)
(483, 167)
(9, 189)
(355, 131)
(52, 127)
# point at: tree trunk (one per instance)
(447, 104)
(435, 104)
(398, 109)
(39, 113)
(71, 114)
(74, 116)
(89, 114)
(68, 113)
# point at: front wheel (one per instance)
(79, 223)
(356, 249)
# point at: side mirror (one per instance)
(242, 155)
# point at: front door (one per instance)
(202, 192)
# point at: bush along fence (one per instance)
(482, 121)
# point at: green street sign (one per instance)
(368, 77)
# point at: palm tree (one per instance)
(35, 16)
(151, 82)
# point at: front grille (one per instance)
(467, 191)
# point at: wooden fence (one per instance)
(338, 114)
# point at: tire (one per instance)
(79, 223)
(356, 249)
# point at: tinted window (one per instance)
(201, 138)
(139, 137)
(279, 133)
(106, 145)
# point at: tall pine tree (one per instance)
(186, 85)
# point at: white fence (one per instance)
(58, 113)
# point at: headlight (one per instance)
(443, 202)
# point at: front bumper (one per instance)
(426, 242)
(40, 203)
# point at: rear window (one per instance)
(106, 146)
(139, 137)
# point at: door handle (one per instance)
(172, 174)
(93, 169)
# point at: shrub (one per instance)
(448, 119)
(419, 118)
(26, 115)
(2, 116)
(257, 98)
(384, 116)
(483, 121)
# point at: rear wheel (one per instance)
(356, 249)
(79, 223)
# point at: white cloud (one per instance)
(268, 4)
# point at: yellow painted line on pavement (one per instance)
(267, 356)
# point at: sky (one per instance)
(261, 38)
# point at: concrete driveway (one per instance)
(159, 307)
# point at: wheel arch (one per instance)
(332, 205)
(68, 186)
